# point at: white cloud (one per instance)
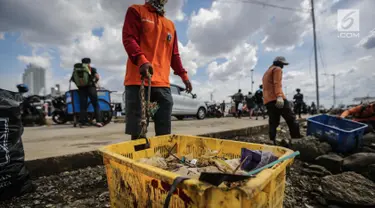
(218, 42)
(189, 57)
(60, 22)
(365, 58)
(2, 36)
(42, 61)
(237, 64)
(368, 42)
(208, 27)
(106, 52)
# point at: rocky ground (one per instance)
(318, 178)
(85, 188)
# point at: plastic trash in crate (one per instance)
(344, 135)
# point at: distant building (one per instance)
(55, 91)
(35, 78)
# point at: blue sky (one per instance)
(220, 42)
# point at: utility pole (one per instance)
(316, 56)
(252, 80)
(286, 91)
(334, 87)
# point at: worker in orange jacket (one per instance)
(150, 40)
(275, 101)
(364, 113)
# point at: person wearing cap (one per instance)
(150, 40)
(298, 101)
(275, 101)
(89, 92)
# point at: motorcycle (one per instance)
(214, 110)
(31, 108)
(59, 115)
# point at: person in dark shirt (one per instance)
(222, 106)
(89, 92)
(250, 103)
(259, 102)
(238, 98)
(298, 101)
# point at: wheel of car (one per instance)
(180, 117)
(201, 113)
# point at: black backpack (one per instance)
(258, 96)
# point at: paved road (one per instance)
(57, 140)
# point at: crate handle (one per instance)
(143, 146)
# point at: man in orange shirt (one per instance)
(276, 102)
(364, 113)
(150, 40)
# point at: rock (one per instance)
(332, 162)
(316, 170)
(368, 139)
(349, 188)
(368, 149)
(36, 202)
(321, 200)
(310, 148)
(358, 162)
(371, 172)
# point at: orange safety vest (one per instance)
(156, 42)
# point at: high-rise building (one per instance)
(35, 78)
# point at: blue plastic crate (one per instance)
(343, 135)
(104, 99)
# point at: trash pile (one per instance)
(211, 168)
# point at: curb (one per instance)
(55, 165)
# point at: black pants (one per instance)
(238, 112)
(286, 112)
(84, 93)
(260, 107)
(162, 117)
(298, 109)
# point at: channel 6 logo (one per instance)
(348, 20)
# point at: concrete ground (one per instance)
(58, 140)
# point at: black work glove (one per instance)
(144, 69)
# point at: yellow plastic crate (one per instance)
(133, 184)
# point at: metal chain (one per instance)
(145, 106)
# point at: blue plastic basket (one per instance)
(343, 135)
(104, 99)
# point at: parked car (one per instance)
(185, 104)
